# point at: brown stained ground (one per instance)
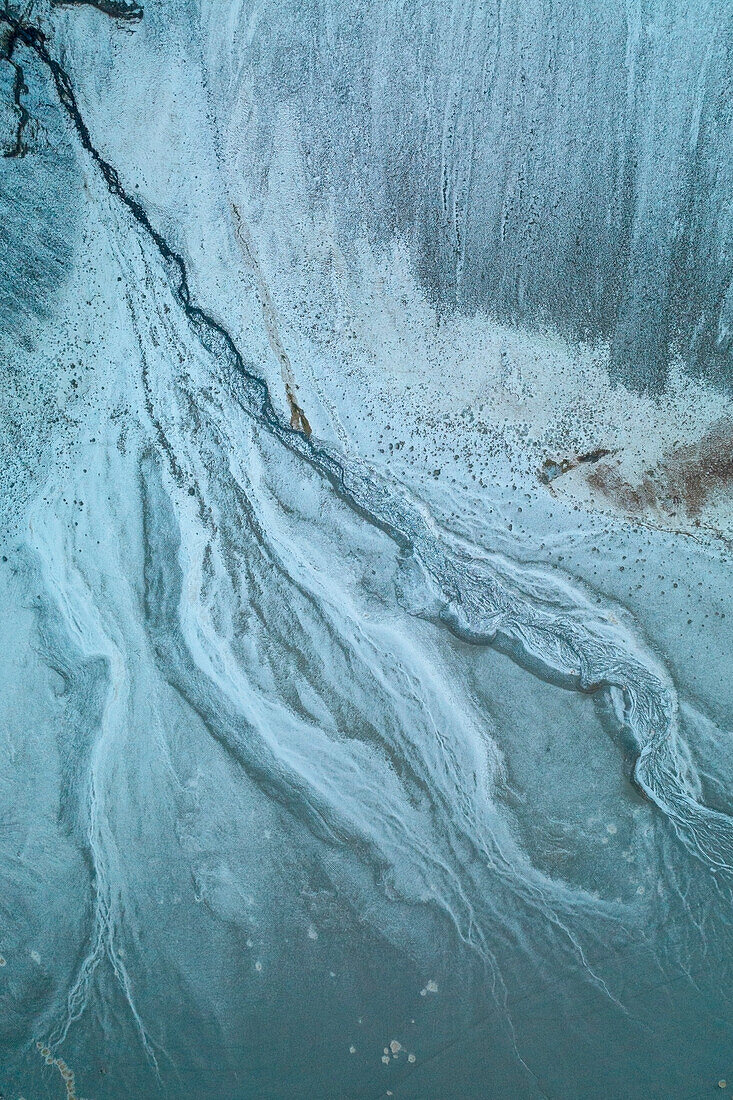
(696, 473)
(685, 479)
(298, 419)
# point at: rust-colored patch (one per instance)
(695, 473)
(685, 478)
(298, 419)
(610, 482)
